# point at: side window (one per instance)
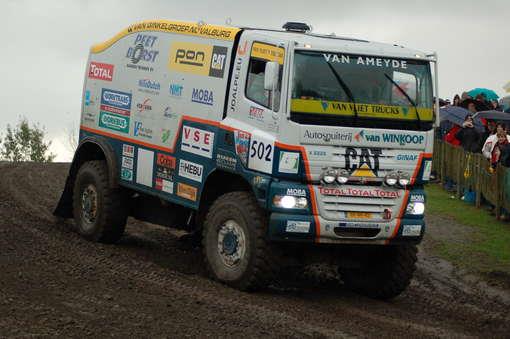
(260, 55)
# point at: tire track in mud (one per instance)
(106, 287)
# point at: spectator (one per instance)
(465, 96)
(451, 136)
(492, 140)
(456, 100)
(500, 148)
(490, 129)
(469, 138)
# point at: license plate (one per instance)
(359, 215)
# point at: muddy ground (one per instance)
(54, 283)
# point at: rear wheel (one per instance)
(100, 212)
(384, 273)
(234, 242)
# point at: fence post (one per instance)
(477, 177)
(460, 171)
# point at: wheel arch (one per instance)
(218, 183)
(89, 148)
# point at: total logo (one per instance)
(202, 96)
(100, 71)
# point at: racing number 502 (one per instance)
(261, 151)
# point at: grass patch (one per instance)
(484, 248)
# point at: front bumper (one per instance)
(313, 228)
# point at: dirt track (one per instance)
(54, 283)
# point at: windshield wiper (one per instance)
(346, 88)
(407, 97)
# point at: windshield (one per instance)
(359, 90)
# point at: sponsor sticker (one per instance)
(115, 102)
(202, 96)
(165, 135)
(126, 174)
(411, 230)
(226, 162)
(165, 166)
(256, 114)
(359, 192)
(289, 162)
(190, 170)
(175, 90)
(114, 122)
(417, 198)
(362, 162)
(389, 138)
(261, 154)
(141, 131)
(427, 169)
(299, 192)
(128, 150)
(294, 226)
(142, 53)
(168, 113)
(187, 191)
(101, 71)
(163, 185)
(406, 157)
(87, 98)
(242, 143)
(268, 52)
(200, 59)
(197, 141)
(149, 86)
(127, 162)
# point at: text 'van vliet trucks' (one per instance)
(276, 147)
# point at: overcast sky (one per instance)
(46, 43)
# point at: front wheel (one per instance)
(100, 212)
(385, 271)
(234, 242)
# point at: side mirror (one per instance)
(271, 75)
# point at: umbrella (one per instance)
(457, 115)
(479, 106)
(492, 115)
(489, 93)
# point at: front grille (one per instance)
(335, 207)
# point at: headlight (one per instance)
(391, 179)
(343, 176)
(329, 175)
(403, 178)
(415, 208)
(289, 201)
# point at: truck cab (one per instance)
(272, 146)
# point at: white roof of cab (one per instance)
(332, 43)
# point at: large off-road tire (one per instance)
(100, 212)
(385, 272)
(235, 247)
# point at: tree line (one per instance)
(25, 142)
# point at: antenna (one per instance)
(228, 21)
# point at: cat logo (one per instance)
(363, 162)
(198, 59)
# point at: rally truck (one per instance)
(273, 147)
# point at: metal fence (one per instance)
(471, 171)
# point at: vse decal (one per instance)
(197, 141)
(261, 154)
(198, 59)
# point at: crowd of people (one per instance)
(493, 142)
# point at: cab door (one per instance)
(251, 107)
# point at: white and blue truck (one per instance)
(271, 146)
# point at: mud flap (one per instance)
(64, 207)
